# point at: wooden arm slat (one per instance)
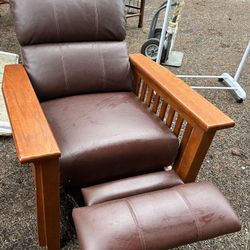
(163, 109)
(32, 134)
(170, 118)
(179, 95)
(178, 124)
(149, 96)
(143, 91)
(156, 103)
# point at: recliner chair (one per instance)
(88, 116)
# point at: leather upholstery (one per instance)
(55, 21)
(158, 220)
(58, 70)
(130, 186)
(108, 136)
(73, 47)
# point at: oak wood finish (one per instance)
(178, 125)
(156, 103)
(48, 202)
(193, 107)
(143, 91)
(32, 134)
(149, 96)
(170, 117)
(35, 144)
(163, 109)
(39, 206)
(202, 118)
(186, 135)
(136, 86)
(189, 160)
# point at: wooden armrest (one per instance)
(31, 131)
(190, 116)
(179, 95)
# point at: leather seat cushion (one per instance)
(158, 220)
(108, 136)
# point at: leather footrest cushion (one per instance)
(130, 186)
(157, 220)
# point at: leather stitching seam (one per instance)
(60, 49)
(96, 20)
(64, 68)
(103, 68)
(189, 206)
(138, 227)
(56, 22)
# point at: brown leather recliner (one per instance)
(88, 116)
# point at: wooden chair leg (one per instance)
(48, 203)
(39, 206)
(140, 24)
(188, 163)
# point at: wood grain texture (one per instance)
(32, 134)
(163, 109)
(178, 124)
(149, 96)
(137, 81)
(192, 156)
(156, 103)
(143, 91)
(48, 203)
(170, 117)
(39, 206)
(193, 107)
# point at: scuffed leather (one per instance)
(59, 70)
(55, 21)
(158, 220)
(108, 136)
(130, 186)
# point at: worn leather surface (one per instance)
(73, 47)
(130, 186)
(58, 70)
(55, 21)
(108, 136)
(158, 220)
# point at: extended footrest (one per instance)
(156, 220)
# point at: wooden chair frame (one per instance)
(140, 12)
(188, 114)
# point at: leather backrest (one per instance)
(73, 47)
(58, 70)
(53, 21)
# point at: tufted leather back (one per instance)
(73, 47)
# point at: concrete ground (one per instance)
(213, 35)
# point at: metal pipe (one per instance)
(242, 63)
(163, 32)
(212, 87)
(198, 76)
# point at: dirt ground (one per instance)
(213, 35)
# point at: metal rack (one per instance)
(231, 82)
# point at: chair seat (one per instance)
(106, 136)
